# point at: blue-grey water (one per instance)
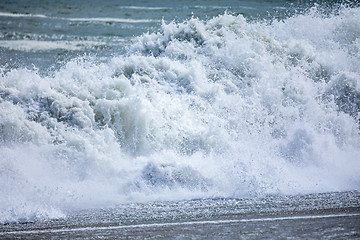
(113, 103)
(47, 33)
(313, 216)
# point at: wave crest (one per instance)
(223, 107)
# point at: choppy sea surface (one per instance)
(120, 102)
(309, 216)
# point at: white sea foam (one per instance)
(221, 108)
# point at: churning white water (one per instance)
(201, 109)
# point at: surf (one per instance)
(223, 107)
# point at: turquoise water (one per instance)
(126, 102)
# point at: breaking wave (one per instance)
(201, 109)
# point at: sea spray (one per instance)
(200, 109)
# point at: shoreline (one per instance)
(304, 216)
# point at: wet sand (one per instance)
(314, 216)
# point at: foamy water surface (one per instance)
(222, 107)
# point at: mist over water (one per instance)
(223, 107)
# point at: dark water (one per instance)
(316, 216)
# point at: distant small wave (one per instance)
(210, 7)
(5, 14)
(35, 45)
(122, 20)
(95, 19)
(144, 8)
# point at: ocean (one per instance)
(115, 105)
